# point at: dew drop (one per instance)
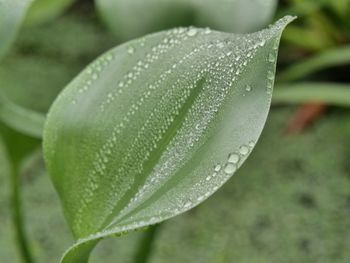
(192, 32)
(217, 168)
(131, 50)
(233, 158)
(243, 150)
(271, 58)
(248, 88)
(230, 168)
(187, 204)
(251, 144)
(207, 31)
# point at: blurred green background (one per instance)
(290, 202)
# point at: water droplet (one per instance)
(251, 144)
(230, 168)
(187, 204)
(233, 158)
(192, 32)
(248, 88)
(243, 150)
(131, 50)
(271, 58)
(207, 31)
(217, 168)
(208, 178)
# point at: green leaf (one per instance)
(12, 13)
(329, 58)
(274, 211)
(130, 19)
(155, 126)
(43, 10)
(21, 119)
(329, 93)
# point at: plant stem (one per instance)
(17, 218)
(146, 245)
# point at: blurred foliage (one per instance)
(45, 58)
(42, 11)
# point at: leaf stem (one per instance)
(146, 245)
(17, 217)
(329, 93)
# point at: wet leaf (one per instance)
(130, 19)
(155, 126)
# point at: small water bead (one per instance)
(233, 158)
(230, 168)
(217, 168)
(220, 45)
(243, 150)
(109, 57)
(187, 204)
(131, 50)
(248, 88)
(208, 178)
(207, 30)
(251, 144)
(271, 58)
(270, 75)
(192, 32)
(94, 76)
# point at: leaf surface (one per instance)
(155, 126)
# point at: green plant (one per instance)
(155, 126)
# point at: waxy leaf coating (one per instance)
(155, 126)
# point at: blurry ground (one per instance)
(290, 202)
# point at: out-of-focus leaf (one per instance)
(44, 59)
(295, 208)
(329, 93)
(12, 13)
(44, 10)
(330, 58)
(155, 126)
(21, 119)
(8, 249)
(130, 19)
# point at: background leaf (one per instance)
(167, 119)
(12, 13)
(330, 93)
(42, 61)
(130, 19)
(43, 10)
